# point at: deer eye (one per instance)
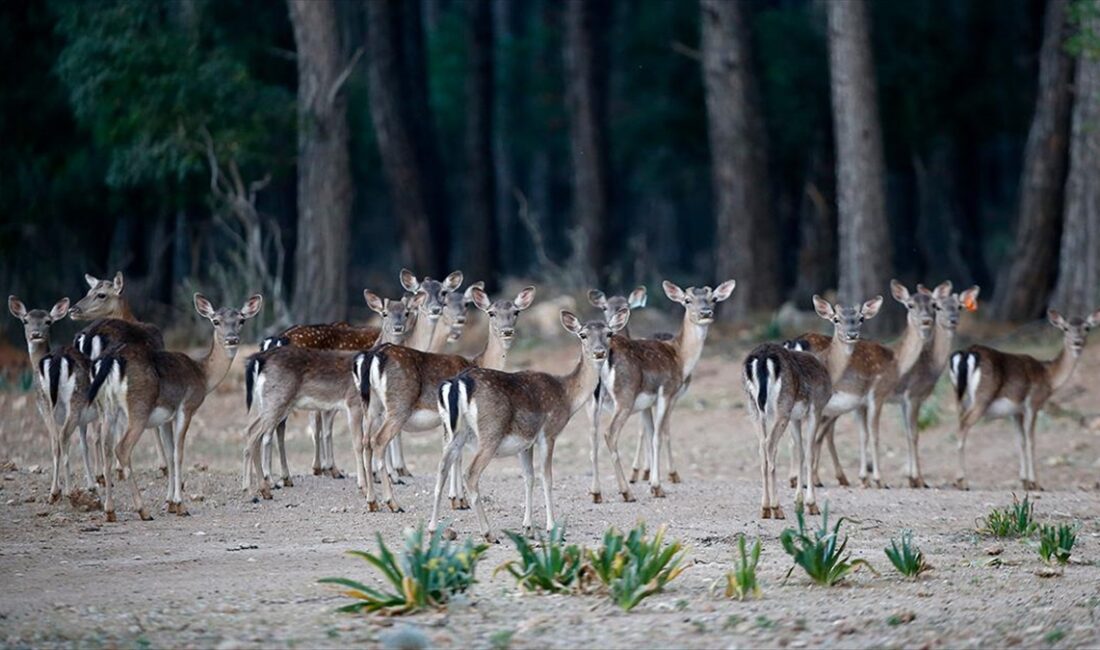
(492, 313)
(861, 319)
(583, 336)
(385, 313)
(217, 322)
(101, 296)
(836, 320)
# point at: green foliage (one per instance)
(555, 567)
(1015, 521)
(822, 555)
(906, 557)
(1056, 542)
(1085, 16)
(741, 583)
(421, 577)
(633, 567)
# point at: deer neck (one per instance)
(943, 340)
(494, 356)
(439, 339)
(689, 344)
(580, 383)
(215, 365)
(1061, 368)
(909, 349)
(837, 358)
(422, 333)
(37, 350)
(122, 312)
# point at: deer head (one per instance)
(595, 335)
(228, 321)
(948, 305)
(847, 320)
(436, 292)
(37, 322)
(1075, 330)
(610, 305)
(103, 299)
(919, 306)
(699, 301)
(503, 313)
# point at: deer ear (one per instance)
(17, 308)
(118, 282)
(203, 306)
(409, 281)
(823, 308)
(1056, 319)
(60, 309)
(468, 296)
(570, 322)
(418, 300)
(871, 307)
(942, 290)
(524, 298)
(597, 299)
(252, 306)
(637, 298)
(618, 320)
(969, 298)
(1093, 320)
(480, 298)
(374, 302)
(91, 280)
(724, 290)
(453, 281)
(674, 293)
(898, 290)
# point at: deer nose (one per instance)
(707, 313)
(507, 333)
(461, 320)
(232, 340)
(437, 311)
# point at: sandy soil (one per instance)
(238, 573)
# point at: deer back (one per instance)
(516, 403)
(107, 333)
(642, 366)
(407, 378)
(332, 336)
(990, 374)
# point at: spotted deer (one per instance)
(158, 388)
(649, 376)
(786, 387)
(993, 384)
(286, 378)
(60, 394)
(506, 414)
(917, 385)
(400, 390)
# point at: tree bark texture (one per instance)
(746, 242)
(480, 231)
(1027, 277)
(324, 172)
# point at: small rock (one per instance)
(994, 550)
(199, 533)
(328, 540)
(450, 534)
(35, 469)
(198, 498)
(11, 502)
(1048, 572)
(9, 465)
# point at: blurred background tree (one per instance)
(608, 141)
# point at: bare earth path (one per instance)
(242, 574)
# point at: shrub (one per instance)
(906, 558)
(553, 568)
(420, 578)
(1014, 521)
(633, 568)
(741, 582)
(1056, 542)
(821, 556)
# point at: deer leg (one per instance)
(527, 464)
(673, 475)
(874, 418)
(86, 455)
(164, 433)
(328, 420)
(446, 471)
(366, 458)
(1029, 419)
(611, 438)
(315, 430)
(594, 452)
(765, 497)
(399, 457)
(806, 460)
(137, 422)
(965, 423)
(864, 434)
(642, 462)
(162, 457)
(473, 482)
(106, 446)
(661, 411)
(546, 447)
(773, 446)
(280, 440)
(183, 423)
(391, 426)
(795, 465)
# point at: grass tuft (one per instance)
(554, 567)
(906, 557)
(1018, 520)
(741, 583)
(632, 567)
(1056, 542)
(822, 555)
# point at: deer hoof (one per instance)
(55, 496)
(163, 470)
(528, 532)
(674, 477)
(265, 494)
(463, 504)
(813, 509)
(119, 475)
(765, 513)
(865, 482)
(777, 513)
(171, 508)
(335, 473)
(288, 482)
(840, 480)
(450, 534)
(144, 514)
(881, 485)
(960, 484)
(491, 538)
(634, 475)
(597, 497)
(181, 510)
(645, 475)
(793, 481)
(657, 491)
(392, 505)
(372, 506)
(100, 480)
(317, 471)
(628, 497)
(404, 471)
(913, 482)
(454, 503)
(111, 517)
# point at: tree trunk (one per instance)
(864, 238)
(413, 188)
(816, 230)
(1078, 289)
(324, 169)
(1026, 279)
(586, 99)
(480, 230)
(745, 246)
(507, 116)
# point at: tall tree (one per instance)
(864, 241)
(398, 96)
(480, 230)
(586, 99)
(745, 247)
(324, 169)
(1078, 288)
(1026, 280)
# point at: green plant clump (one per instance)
(633, 568)
(906, 557)
(741, 583)
(822, 555)
(1056, 542)
(554, 568)
(1018, 520)
(422, 577)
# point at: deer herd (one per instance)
(395, 380)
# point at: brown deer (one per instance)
(158, 388)
(784, 387)
(284, 378)
(917, 385)
(649, 376)
(400, 390)
(993, 384)
(506, 414)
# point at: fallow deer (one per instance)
(917, 385)
(993, 384)
(158, 388)
(784, 387)
(401, 389)
(649, 375)
(505, 414)
(285, 378)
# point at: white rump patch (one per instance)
(1003, 407)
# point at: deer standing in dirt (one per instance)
(507, 414)
(993, 384)
(786, 387)
(401, 389)
(158, 388)
(649, 376)
(285, 378)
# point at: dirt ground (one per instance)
(243, 574)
